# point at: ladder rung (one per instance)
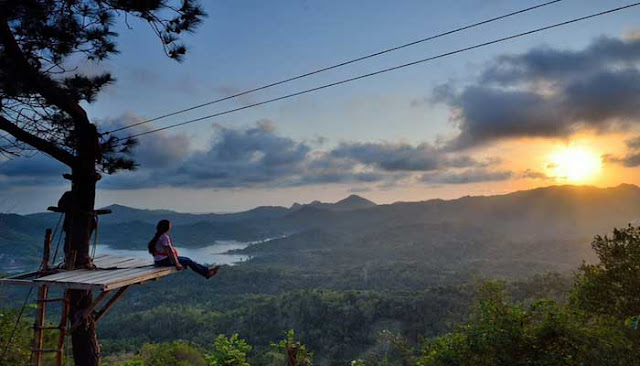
(62, 299)
(48, 350)
(49, 328)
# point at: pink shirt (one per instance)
(163, 246)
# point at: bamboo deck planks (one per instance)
(111, 273)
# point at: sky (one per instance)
(556, 107)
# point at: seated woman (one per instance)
(165, 255)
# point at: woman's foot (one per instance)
(212, 272)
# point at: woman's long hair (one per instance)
(162, 227)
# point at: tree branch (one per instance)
(40, 144)
(47, 87)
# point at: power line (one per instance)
(503, 39)
(344, 63)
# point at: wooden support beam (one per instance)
(96, 212)
(23, 276)
(96, 302)
(110, 303)
(52, 300)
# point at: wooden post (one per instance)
(47, 250)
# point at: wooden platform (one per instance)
(112, 273)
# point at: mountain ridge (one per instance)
(555, 214)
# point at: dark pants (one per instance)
(186, 262)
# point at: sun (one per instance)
(575, 164)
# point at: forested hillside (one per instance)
(372, 283)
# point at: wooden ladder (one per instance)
(39, 327)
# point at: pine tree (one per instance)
(41, 95)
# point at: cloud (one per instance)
(39, 167)
(401, 157)
(157, 150)
(532, 174)
(245, 157)
(466, 176)
(633, 143)
(544, 63)
(631, 158)
(548, 93)
(259, 157)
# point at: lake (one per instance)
(212, 254)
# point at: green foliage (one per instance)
(229, 352)
(295, 353)
(169, 354)
(164, 354)
(545, 333)
(611, 287)
(20, 348)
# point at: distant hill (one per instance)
(21, 241)
(351, 203)
(125, 214)
(555, 211)
(540, 229)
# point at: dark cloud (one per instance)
(245, 157)
(633, 143)
(631, 158)
(544, 63)
(548, 93)
(466, 176)
(532, 174)
(156, 151)
(401, 157)
(39, 167)
(485, 114)
(258, 156)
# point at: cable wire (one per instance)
(344, 81)
(335, 66)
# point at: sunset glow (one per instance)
(576, 165)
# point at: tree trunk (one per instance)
(86, 350)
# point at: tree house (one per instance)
(110, 278)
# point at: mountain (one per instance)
(125, 214)
(21, 241)
(550, 212)
(544, 228)
(351, 203)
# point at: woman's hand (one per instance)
(179, 267)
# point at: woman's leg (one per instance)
(196, 267)
(164, 262)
